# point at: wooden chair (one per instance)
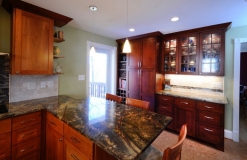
(137, 103)
(171, 153)
(112, 97)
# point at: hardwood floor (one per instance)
(193, 150)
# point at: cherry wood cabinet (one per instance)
(32, 43)
(201, 51)
(205, 120)
(5, 145)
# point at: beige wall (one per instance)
(236, 32)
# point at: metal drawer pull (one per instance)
(74, 157)
(164, 107)
(27, 121)
(28, 148)
(53, 123)
(61, 139)
(208, 107)
(185, 102)
(208, 130)
(74, 139)
(25, 135)
(164, 99)
(208, 117)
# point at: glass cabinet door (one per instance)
(211, 56)
(189, 55)
(170, 56)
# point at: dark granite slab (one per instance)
(122, 131)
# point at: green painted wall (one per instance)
(236, 32)
(74, 48)
(5, 22)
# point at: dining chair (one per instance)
(171, 153)
(112, 97)
(137, 103)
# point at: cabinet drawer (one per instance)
(165, 108)
(25, 148)
(72, 153)
(79, 141)
(185, 102)
(55, 123)
(25, 134)
(209, 133)
(210, 117)
(33, 156)
(213, 107)
(5, 126)
(165, 99)
(26, 120)
(5, 145)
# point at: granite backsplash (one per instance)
(4, 79)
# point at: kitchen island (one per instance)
(120, 130)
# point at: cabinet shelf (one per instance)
(57, 40)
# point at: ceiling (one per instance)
(146, 15)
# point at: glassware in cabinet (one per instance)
(170, 56)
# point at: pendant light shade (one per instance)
(93, 8)
(126, 48)
(92, 50)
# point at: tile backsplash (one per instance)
(199, 84)
(4, 79)
(26, 87)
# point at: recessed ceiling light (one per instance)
(93, 8)
(131, 29)
(174, 19)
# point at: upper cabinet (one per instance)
(32, 43)
(198, 51)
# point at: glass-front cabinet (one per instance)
(211, 52)
(170, 56)
(188, 52)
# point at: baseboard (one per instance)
(228, 134)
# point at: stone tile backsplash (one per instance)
(26, 87)
(4, 79)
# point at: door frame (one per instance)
(236, 83)
(113, 52)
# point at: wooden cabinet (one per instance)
(210, 123)
(32, 43)
(5, 138)
(26, 132)
(205, 120)
(201, 51)
(141, 67)
(54, 138)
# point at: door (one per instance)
(148, 53)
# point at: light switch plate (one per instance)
(81, 77)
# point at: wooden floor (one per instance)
(243, 127)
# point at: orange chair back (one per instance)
(137, 103)
(112, 97)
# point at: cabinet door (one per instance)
(147, 89)
(134, 57)
(32, 44)
(185, 115)
(54, 144)
(133, 83)
(170, 56)
(148, 56)
(212, 53)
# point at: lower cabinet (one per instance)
(205, 120)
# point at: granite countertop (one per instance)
(195, 96)
(122, 131)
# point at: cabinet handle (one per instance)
(208, 130)
(208, 107)
(53, 123)
(74, 157)
(27, 121)
(28, 148)
(17, 72)
(208, 117)
(140, 64)
(200, 73)
(61, 139)
(138, 73)
(176, 72)
(164, 107)
(75, 140)
(185, 102)
(25, 135)
(164, 99)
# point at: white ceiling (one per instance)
(146, 15)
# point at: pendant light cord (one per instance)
(127, 18)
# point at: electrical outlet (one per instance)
(31, 85)
(42, 85)
(81, 77)
(217, 85)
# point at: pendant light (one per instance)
(126, 48)
(93, 8)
